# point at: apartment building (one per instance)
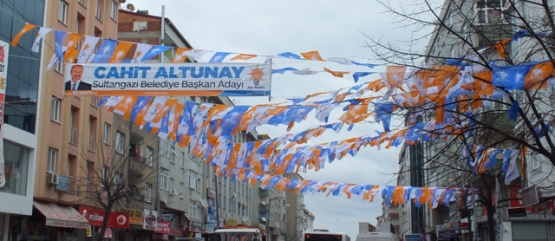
(65, 132)
(21, 110)
(272, 210)
(482, 24)
(295, 212)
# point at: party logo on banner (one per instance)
(198, 79)
(4, 49)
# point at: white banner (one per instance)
(170, 79)
(4, 53)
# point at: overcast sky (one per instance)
(335, 29)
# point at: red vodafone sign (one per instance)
(96, 217)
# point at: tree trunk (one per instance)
(491, 222)
(107, 212)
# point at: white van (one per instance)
(375, 236)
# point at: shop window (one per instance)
(16, 166)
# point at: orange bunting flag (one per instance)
(180, 55)
(72, 53)
(244, 57)
(121, 50)
(395, 76)
(312, 55)
(500, 48)
(354, 114)
(339, 74)
(124, 107)
(538, 76)
(28, 27)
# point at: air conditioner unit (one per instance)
(51, 178)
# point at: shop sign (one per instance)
(211, 193)
(135, 216)
(176, 232)
(542, 207)
(63, 184)
(446, 234)
(167, 217)
(196, 227)
(231, 222)
(162, 227)
(514, 192)
(150, 219)
(96, 217)
(516, 212)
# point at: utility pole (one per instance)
(162, 32)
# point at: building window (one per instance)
(491, 11)
(182, 159)
(62, 12)
(172, 154)
(172, 188)
(113, 10)
(51, 162)
(193, 206)
(107, 133)
(118, 179)
(192, 180)
(16, 158)
(149, 155)
(164, 147)
(164, 178)
(120, 139)
(148, 192)
(104, 174)
(181, 187)
(55, 109)
(59, 67)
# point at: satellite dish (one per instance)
(130, 7)
(245, 219)
(263, 219)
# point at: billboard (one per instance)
(168, 79)
(4, 50)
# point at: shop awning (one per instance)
(61, 216)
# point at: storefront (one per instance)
(195, 229)
(117, 226)
(48, 221)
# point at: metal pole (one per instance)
(163, 31)
(217, 200)
(159, 140)
(268, 234)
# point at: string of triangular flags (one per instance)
(114, 51)
(393, 195)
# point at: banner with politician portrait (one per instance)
(170, 79)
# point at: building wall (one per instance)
(80, 125)
(22, 107)
(294, 212)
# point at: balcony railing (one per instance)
(73, 136)
(88, 188)
(92, 143)
(82, 2)
(71, 185)
(137, 156)
(99, 13)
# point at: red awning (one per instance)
(61, 216)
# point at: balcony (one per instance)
(137, 156)
(99, 13)
(92, 143)
(73, 136)
(82, 2)
(71, 185)
(88, 188)
(263, 192)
